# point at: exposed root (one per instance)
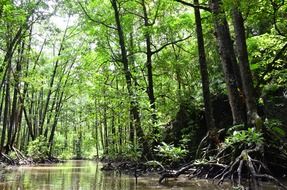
(174, 173)
(7, 158)
(237, 169)
(17, 159)
(210, 142)
(196, 170)
(205, 138)
(253, 167)
(154, 162)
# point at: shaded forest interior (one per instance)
(196, 84)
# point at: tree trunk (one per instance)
(134, 107)
(113, 133)
(245, 72)
(102, 137)
(132, 62)
(149, 53)
(203, 70)
(96, 123)
(228, 60)
(106, 133)
(51, 84)
(14, 118)
(6, 108)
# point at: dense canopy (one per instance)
(144, 80)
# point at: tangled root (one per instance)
(254, 169)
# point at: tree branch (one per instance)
(169, 43)
(133, 13)
(96, 21)
(156, 14)
(194, 6)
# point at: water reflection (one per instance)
(86, 175)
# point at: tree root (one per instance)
(241, 167)
(253, 166)
(7, 158)
(174, 173)
(18, 159)
(197, 169)
(211, 138)
(154, 162)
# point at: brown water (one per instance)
(86, 175)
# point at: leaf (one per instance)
(254, 66)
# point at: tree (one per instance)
(134, 109)
(229, 63)
(245, 72)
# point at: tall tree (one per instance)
(203, 70)
(229, 63)
(134, 106)
(149, 54)
(245, 72)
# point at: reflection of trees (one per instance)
(73, 175)
(97, 179)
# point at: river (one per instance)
(86, 175)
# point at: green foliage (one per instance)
(246, 138)
(65, 155)
(276, 126)
(38, 149)
(13, 155)
(96, 103)
(270, 88)
(263, 50)
(131, 152)
(170, 152)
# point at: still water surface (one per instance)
(86, 175)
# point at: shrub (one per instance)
(170, 152)
(39, 148)
(247, 137)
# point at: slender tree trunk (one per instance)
(56, 65)
(29, 124)
(2, 104)
(6, 108)
(16, 107)
(245, 72)
(113, 133)
(96, 123)
(59, 103)
(149, 53)
(121, 140)
(102, 137)
(228, 60)
(106, 134)
(56, 118)
(203, 71)
(6, 79)
(132, 61)
(1, 10)
(120, 128)
(134, 107)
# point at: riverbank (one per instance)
(193, 170)
(86, 174)
(9, 161)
